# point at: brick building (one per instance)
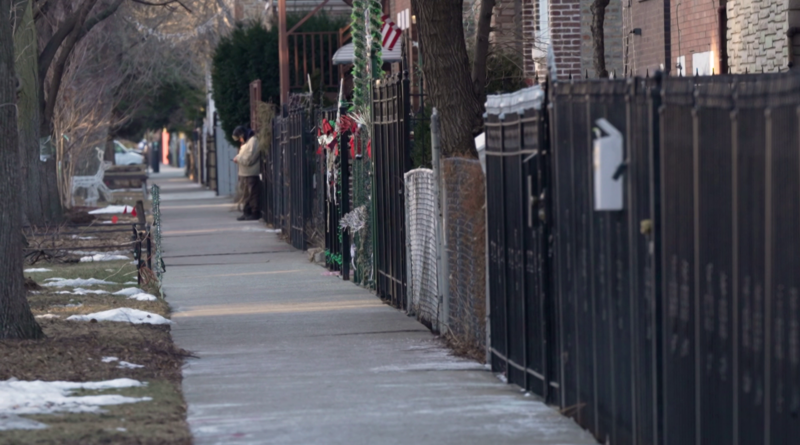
(565, 25)
(687, 37)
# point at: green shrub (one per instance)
(248, 53)
(421, 156)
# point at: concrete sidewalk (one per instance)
(288, 354)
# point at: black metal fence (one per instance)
(390, 148)
(288, 171)
(673, 321)
(335, 174)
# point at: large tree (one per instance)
(16, 319)
(35, 205)
(457, 89)
(598, 38)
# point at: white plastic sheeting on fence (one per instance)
(227, 171)
(422, 246)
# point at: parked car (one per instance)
(126, 156)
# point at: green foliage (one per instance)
(175, 106)
(320, 22)
(421, 156)
(249, 53)
(504, 73)
(358, 33)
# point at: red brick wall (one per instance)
(396, 6)
(694, 29)
(528, 31)
(565, 35)
(646, 52)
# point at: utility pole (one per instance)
(283, 52)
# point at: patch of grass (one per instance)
(73, 351)
(158, 421)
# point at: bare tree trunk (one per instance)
(108, 155)
(598, 37)
(16, 319)
(447, 79)
(25, 49)
(482, 48)
(48, 101)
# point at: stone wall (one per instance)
(757, 34)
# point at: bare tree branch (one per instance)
(104, 14)
(166, 3)
(51, 48)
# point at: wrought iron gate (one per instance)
(676, 319)
(390, 147)
(523, 330)
(335, 180)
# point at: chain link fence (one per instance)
(155, 196)
(422, 245)
(465, 231)
(361, 203)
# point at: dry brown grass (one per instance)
(73, 351)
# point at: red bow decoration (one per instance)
(326, 126)
(352, 146)
(133, 212)
(369, 148)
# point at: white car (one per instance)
(126, 156)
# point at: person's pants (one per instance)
(251, 188)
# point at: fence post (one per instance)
(655, 100)
(441, 244)
(344, 202)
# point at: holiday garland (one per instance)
(360, 80)
(375, 14)
(366, 34)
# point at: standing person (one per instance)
(249, 182)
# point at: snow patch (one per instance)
(130, 282)
(109, 359)
(128, 291)
(111, 209)
(95, 252)
(103, 257)
(38, 397)
(62, 282)
(83, 237)
(41, 269)
(123, 314)
(82, 291)
(143, 297)
(13, 422)
(129, 365)
(47, 316)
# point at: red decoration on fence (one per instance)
(133, 212)
(326, 126)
